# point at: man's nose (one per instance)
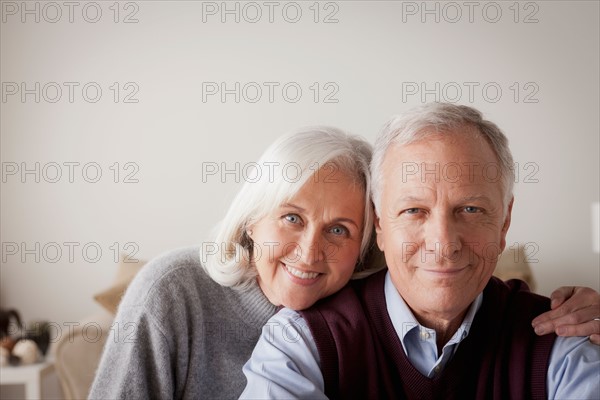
(442, 236)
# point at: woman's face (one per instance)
(307, 248)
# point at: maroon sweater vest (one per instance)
(362, 357)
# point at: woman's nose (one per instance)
(310, 249)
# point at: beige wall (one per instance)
(371, 61)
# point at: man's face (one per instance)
(442, 222)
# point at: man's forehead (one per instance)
(462, 146)
(451, 171)
(462, 157)
(427, 195)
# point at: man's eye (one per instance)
(471, 209)
(339, 230)
(412, 210)
(293, 218)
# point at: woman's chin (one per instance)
(298, 304)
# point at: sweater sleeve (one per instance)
(136, 363)
(139, 359)
(178, 334)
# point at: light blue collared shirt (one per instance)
(285, 362)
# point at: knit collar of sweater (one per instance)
(252, 305)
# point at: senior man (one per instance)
(436, 324)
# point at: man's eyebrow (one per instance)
(409, 198)
(466, 199)
(470, 199)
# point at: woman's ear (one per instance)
(246, 239)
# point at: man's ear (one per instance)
(506, 224)
(378, 232)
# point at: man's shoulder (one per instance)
(573, 369)
(516, 292)
(504, 322)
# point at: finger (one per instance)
(563, 311)
(584, 304)
(545, 324)
(580, 298)
(545, 318)
(586, 329)
(595, 339)
(576, 317)
(561, 294)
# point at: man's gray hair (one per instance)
(439, 118)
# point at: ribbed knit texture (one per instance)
(178, 334)
(362, 357)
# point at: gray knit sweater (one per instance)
(178, 334)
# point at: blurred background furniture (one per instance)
(39, 381)
(77, 352)
(513, 263)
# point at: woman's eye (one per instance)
(339, 230)
(412, 210)
(293, 218)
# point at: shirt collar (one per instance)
(404, 320)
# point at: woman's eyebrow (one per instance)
(348, 220)
(291, 205)
(340, 219)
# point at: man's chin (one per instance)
(445, 303)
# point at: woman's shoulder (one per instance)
(174, 274)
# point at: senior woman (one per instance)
(288, 239)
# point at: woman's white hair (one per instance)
(279, 174)
(435, 118)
